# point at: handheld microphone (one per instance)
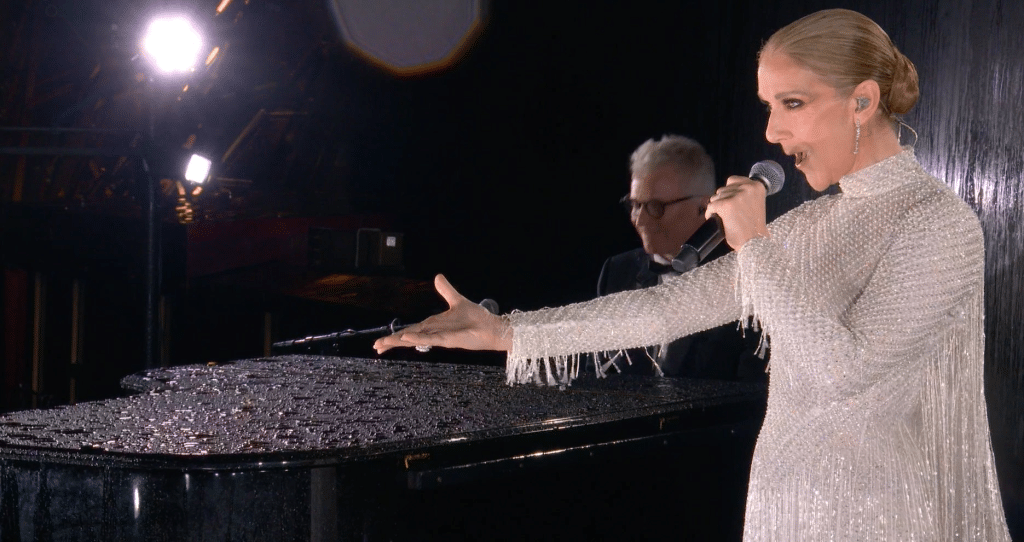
(708, 236)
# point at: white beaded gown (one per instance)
(872, 299)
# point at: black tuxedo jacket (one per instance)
(724, 353)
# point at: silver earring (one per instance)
(856, 141)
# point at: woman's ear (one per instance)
(866, 98)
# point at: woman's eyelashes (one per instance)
(789, 104)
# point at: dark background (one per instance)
(502, 169)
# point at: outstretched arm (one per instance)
(464, 325)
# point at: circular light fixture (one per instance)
(173, 44)
(409, 38)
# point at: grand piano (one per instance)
(300, 447)
(312, 146)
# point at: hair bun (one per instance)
(847, 48)
(904, 92)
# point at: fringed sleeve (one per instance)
(546, 344)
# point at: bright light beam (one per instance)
(173, 44)
(198, 169)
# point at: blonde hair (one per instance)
(846, 49)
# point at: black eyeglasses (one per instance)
(655, 208)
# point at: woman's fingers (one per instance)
(447, 291)
(740, 206)
(451, 335)
(438, 330)
(464, 325)
(388, 342)
(443, 338)
(420, 334)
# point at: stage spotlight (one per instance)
(198, 169)
(173, 44)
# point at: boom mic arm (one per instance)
(395, 325)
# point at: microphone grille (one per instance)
(491, 305)
(770, 173)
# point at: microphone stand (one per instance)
(394, 326)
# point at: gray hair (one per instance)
(685, 154)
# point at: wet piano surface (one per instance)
(329, 448)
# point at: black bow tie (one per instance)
(660, 269)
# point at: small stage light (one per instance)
(173, 44)
(198, 169)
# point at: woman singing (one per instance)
(872, 299)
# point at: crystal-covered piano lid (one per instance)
(324, 448)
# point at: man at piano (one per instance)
(671, 181)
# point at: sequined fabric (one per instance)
(876, 427)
